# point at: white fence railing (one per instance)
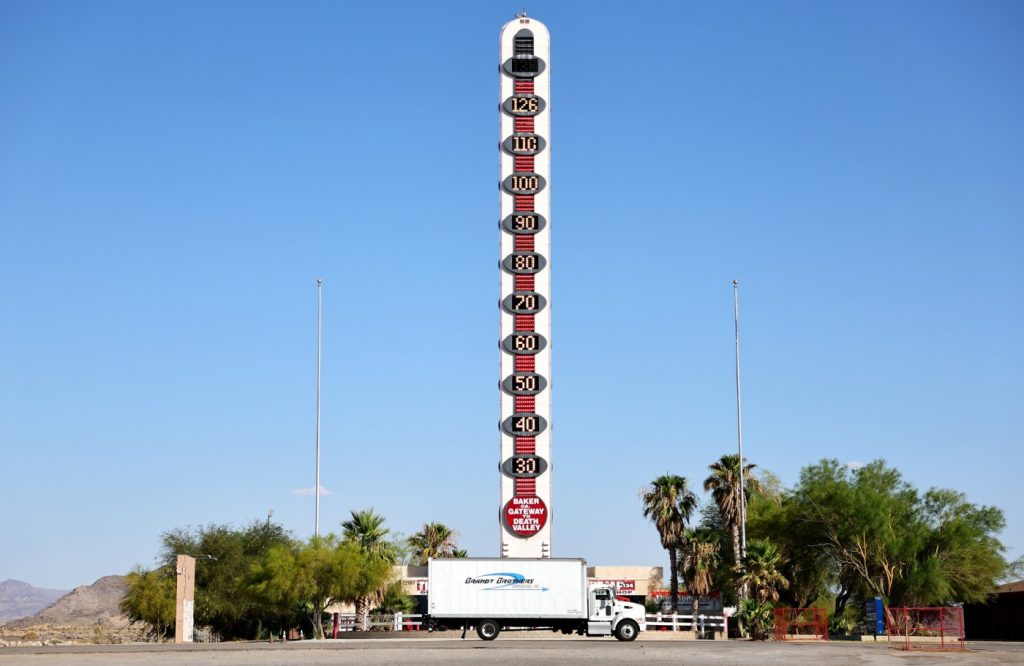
(685, 622)
(386, 622)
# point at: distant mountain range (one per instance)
(95, 604)
(18, 599)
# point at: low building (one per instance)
(633, 582)
(1000, 619)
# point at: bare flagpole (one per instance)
(319, 310)
(739, 418)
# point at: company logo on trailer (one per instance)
(505, 581)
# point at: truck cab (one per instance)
(608, 615)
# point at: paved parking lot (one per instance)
(506, 650)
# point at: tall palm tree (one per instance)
(669, 503)
(434, 540)
(724, 485)
(761, 570)
(698, 559)
(366, 529)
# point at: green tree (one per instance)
(669, 503)
(698, 557)
(724, 485)
(367, 532)
(724, 577)
(960, 559)
(884, 538)
(807, 566)
(315, 574)
(760, 570)
(226, 555)
(1013, 572)
(866, 519)
(150, 600)
(433, 540)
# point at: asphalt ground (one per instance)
(506, 649)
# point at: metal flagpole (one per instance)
(739, 418)
(319, 310)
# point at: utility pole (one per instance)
(319, 346)
(739, 419)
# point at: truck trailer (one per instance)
(492, 595)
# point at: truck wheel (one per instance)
(627, 630)
(488, 630)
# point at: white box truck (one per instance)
(519, 593)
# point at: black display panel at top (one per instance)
(524, 66)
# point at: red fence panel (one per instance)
(939, 628)
(801, 624)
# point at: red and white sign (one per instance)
(525, 516)
(622, 586)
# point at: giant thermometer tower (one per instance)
(525, 158)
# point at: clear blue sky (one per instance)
(175, 175)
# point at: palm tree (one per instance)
(434, 540)
(724, 485)
(698, 559)
(760, 567)
(755, 618)
(366, 529)
(669, 503)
